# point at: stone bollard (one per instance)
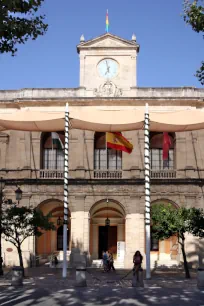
(17, 276)
(200, 278)
(80, 276)
(137, 279)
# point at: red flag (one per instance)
(166, 145)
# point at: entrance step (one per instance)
(97, 263)
(162, 264)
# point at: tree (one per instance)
(194, 16)
(19, 223)
(18, 23)
(168, 221)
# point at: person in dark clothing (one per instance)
(137, 261)
(111, 262)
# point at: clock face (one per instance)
(108, 68)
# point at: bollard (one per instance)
(17, 276)
(200, 278)
(137, 279)
(80, 276)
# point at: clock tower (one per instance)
(108, 65)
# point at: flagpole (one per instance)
(66, 171)
(147, 191)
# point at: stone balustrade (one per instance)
(81, 92)
(163, 174)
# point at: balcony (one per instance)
(51, 174)
(106, 174)
(163, 174)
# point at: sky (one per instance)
(170, 52)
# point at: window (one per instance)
(52, 155)
(156, 152)
(105, 159)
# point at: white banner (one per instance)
(120, 250)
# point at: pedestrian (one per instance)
(137, 261)
(105, 261)
(108, 262)
(111, 262)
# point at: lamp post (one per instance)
(2, 185)
(18, 193)
(59, 221)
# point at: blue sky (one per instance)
(170, 52)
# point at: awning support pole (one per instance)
(66, 171)
(147, 192)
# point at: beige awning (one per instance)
(96, 119)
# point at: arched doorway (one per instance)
(105, 237)
(52, 241)
(167, 249)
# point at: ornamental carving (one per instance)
(108, 89)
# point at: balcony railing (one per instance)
(106, 174)
(51, 174)
(163, 174)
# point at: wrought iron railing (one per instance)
(51, 174)
(163, 174)
(106, 174)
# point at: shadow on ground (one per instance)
(46, 287)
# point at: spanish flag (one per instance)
(118, 142)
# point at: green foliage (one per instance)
(168, 221)
(18, 23)
(19, 223)
(194, 16)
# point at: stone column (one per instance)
(86, 232)
(134, 231)
(95, 241)
(77, 223)
(120, 234)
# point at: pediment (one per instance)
(107, 41)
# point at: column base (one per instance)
(200, 278)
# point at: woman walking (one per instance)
(137, 261)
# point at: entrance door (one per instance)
(107, 239)
(60, 238)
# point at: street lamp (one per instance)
(107, 221)
(18, 193)
(2, 185)
(59, 221)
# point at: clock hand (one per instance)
(108, 67)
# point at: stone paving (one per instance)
(44, 286)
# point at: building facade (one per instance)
(103, 183)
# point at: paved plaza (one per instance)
(44, 286)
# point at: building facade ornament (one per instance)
(108, 89)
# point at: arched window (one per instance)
(52, 151)
(105, 159)
(156, 152)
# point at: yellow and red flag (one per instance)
(118, 142)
